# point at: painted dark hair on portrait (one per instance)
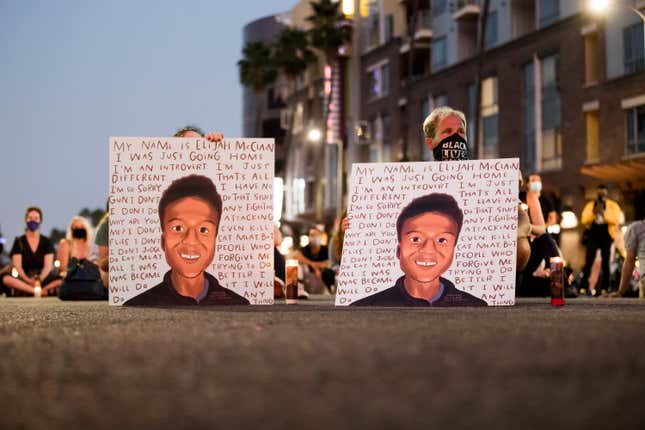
(440, 203)
(196, 186)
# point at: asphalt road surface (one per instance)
(69, 365)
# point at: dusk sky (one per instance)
(74, 73)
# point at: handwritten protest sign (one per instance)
(483, 252)
(241, 171)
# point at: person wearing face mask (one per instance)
(32, 256)
(316, 256)
(534, 278)
(81, 276)
(546, 203)
(76, 244)
(445, 134)
(600, 218)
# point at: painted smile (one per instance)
(424, 263)
(189, 256)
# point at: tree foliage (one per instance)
(292, 52)
(93, 215)
(257, 68)
(330, 30)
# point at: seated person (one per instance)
(535, 278)
(316, 257)
(76, 244)
(5, 267)
(189, 211)
(101, 240)
(32, 256)
(278, 265)
(81, 276)
(427, 231)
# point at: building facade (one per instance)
(561, 89)
(261, 111)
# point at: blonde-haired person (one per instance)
(76, 244)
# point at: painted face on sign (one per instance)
(189, 235)
(426, 248)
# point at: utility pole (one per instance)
(481, 33)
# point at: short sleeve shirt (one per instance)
(635, 241)
(32, 262)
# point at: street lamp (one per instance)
(314, 135)
(599, 7)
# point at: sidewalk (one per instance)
(76, 365)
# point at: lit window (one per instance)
(593, 136)
(528, 148)
(489, 117)
(591, 58)
(551, 136)
(378, 80)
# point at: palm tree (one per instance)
(329, 32)
(292, 53)
(292, 56)
(257, 71)
(481, 35)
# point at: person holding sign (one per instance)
(192, 131)
(189, 211)
(445, 133)
(427, 231)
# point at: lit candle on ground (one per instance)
(557, 281)
(292, 282)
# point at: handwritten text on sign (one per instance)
(484, 257)
(141, 168)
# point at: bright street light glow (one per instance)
(598, 6)
(569, 220)
(348, 8)
(314, 135)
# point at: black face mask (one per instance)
(79, 233)
(453, 147)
